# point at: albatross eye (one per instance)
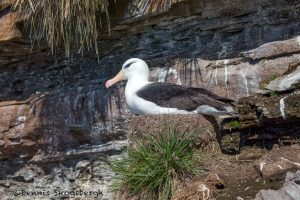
(128, 64)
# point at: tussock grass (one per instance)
(4, 4)
(151, 167)
(151, 6)
(72, 24)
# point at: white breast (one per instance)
(140, 106)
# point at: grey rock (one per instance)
(60, 114)
(286, 82)
(289, 191)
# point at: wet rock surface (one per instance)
(67, 178)
(52, 123)
(56, 117)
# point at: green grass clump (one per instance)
(234, 124)
(273, 77)
(274, 94)
(263, 85)
(150, 168)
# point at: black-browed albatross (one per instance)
(144, 97)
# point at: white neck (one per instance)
(133, 85)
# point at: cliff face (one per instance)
(237, 49)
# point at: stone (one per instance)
(196, 190)
(261, 110)
(290, 189)
(273, 165)
(287, 82)
(54, 112)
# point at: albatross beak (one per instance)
(119, 77)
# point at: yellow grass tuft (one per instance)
(73, 23)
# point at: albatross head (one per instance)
(132, 69)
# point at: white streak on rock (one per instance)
(21, 126)
(298, 40)
(174, 72)
(289, 80)
(226, 73)
(21, 118)
(216, 75)
(281, 107)
(226, 62)
(216, 72)
(245, 81)
(162, 75)
(280, 167)
(261, 166)
(295, 163)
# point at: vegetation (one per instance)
(263, 85)
(71, 23)
(74, 24)
(150, 168)
(274, 94)
(150, 6)
(273, 77)
(234, 124)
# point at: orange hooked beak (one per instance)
(119, 77)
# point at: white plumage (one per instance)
(144, 97)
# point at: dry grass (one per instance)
(5, 4)
(150, 169)
(151, 6)
(70, 24)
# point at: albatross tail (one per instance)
(209, 110)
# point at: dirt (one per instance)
(235, 165)
(236, 176)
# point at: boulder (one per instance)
(273, 108)
(273, 164)
(289, 191)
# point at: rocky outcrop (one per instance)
(74, 177)
(272, 165)
(52, 123)
(290, 189)
(272, 108)
(52, 107)
(286, 82)
(269, 119)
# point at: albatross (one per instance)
(144, 97)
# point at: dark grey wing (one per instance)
(212, 95)
(181, 97)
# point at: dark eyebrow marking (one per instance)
(127, 65)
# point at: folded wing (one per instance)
(181, 97)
